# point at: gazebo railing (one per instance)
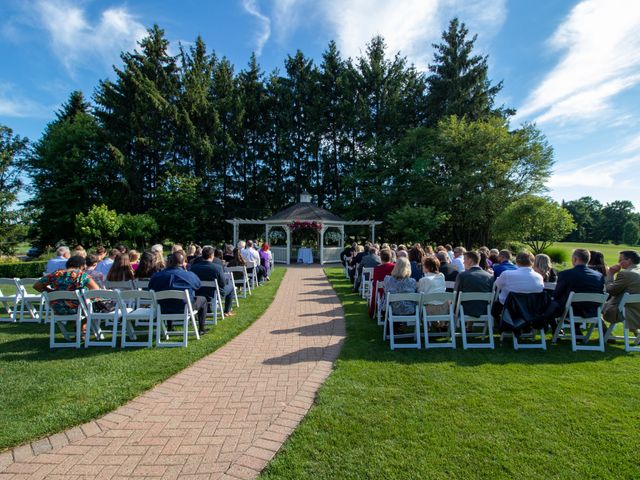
(279, 254)
(332, 254)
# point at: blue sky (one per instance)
(571, 66)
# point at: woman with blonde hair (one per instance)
(400, 281)
(542, 265)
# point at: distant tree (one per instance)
(138, 229)
(178, 202)
(537, 222)
(13, 149)
(98, 226)
(587, 213)
(459, 83)
(614, 217)
(412, 224)
(631, 233)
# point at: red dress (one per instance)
(379, 273)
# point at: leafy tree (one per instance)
(178, 202)
(614, 217)
(537, 222)
(587, 213)
(12, 151)
(138, 229)
(100, 225)
(459, 83)
(412, 224)
(631, 233)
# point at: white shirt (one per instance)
(250, 255)
(520, 280)
(432, 283)
(458, 262)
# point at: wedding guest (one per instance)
(379, 274)
(148, 265)
(105, 265)
(92, 262)
(544, 267)
(134, 259)
(597, 263)
(400, 281)
(60, 261)
(265, 259)
(446, 267)
(228, 253)
(415, 259)
(433, 282)
(504, 263)
(79, 250)
(121, 270)
(458, 258)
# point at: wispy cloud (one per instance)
(77, 41)
(600, 47)
(602, 174)
(263, 34)
(14, 104)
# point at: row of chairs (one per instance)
(579, 330)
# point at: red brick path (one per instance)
(224, 417)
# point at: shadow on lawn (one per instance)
(321, 329)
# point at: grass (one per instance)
(44, 391)
(610, 251)
(442, 414)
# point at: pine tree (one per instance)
(13, 148)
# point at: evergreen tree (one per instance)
(587, 213)
(13, 148)
(614, 217)
(459, 83)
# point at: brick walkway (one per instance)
(224, 417)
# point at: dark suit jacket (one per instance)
(368, 261)
(174, 279)
(449, 271)
(579, 279)
(474, 280)
(209, 271)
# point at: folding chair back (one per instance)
(72, 338)
(365, 283)
(177, 319)
(253, 276)
(444, 298)
(449, 286)
(626, 300)
(138, 317)
(392, 318)
(529, 299)
(102, 325)
(381, 303)
(124, 285)
(29, 300)
(485, 321)
(215, 302)
(570, 320)
(551, 286)
(228, 276)
(242, 280)
(142, 283)
(9, 298)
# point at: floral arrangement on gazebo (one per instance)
(299, 225)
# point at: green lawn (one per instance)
(43, 391)
(442, 414)
(610, 251)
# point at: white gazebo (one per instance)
(304, 211)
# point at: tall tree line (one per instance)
(192, 141)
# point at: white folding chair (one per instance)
(177, 319)
(410, 320)
(228, 276)
(103, 326)
(72, 338)
(28, 300)
(550, 286)
(380, 302)
(9, 300)
(142, 283)
(253, 276)
(243, 281)
(627, 299)
(530, 336)
(569, 320)
(449, 285)
(124, 285)
(138, 318)
(365, 283)
(447, 318)
(215, 303)
(345, 266)
(485, 321)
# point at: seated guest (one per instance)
(400, 281)
(209, 271)
(218, 258)
(371, 260)
(493, 257)
(105, 265)
(543, 266)
(428, 250)
(71, 277)
(348, 252)
(237, 261)
(579, 279)
(597, 263)
(134, 259)
(148, 265)
(484, 263)
(265, 259)
(433, 282)
(176, 277)
(60, 261)
(521, 280)
(122, 248)
(449, 250)
(92, 263)
(446, 267)
(504, 263)
(228, 253)
(157, 249)
(191, 252)
(415, 259)
(177, 247)
(379, 274)
(355, 261)
(101, 252)
(79, 250)
(250, 254)
(627, 280)
(473, 279)
(121, 270)
(458, 258)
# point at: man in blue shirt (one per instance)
(205, 269)
(504, 259)
(60, 261)
(176, 277)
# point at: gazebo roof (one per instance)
(305, 211)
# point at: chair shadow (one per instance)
(326, 291)
(308, 354)
(317, 329)
(334, 312)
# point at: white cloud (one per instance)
(601, 44)
(265, 24)
(76, 40)
(13, 104)
(603, 174)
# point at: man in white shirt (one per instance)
(521, 280)
(458, 258)
(63, 253)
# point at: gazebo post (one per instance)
(342, 236)
(373, 233)
(288, 230)
(235, 233)
(322, 230)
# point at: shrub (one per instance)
(558, 254)
(22, 269)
